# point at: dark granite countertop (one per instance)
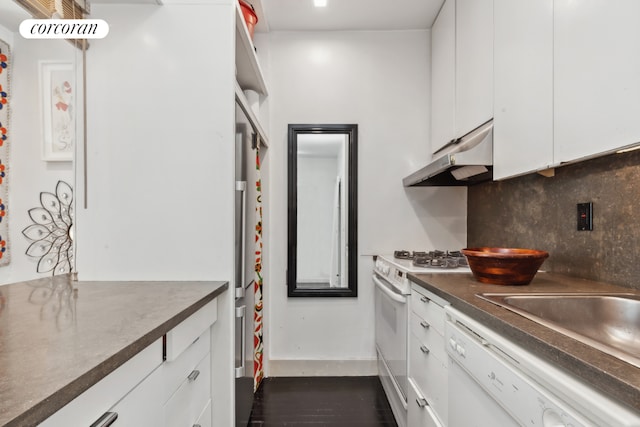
(618, 379)
(59, 337)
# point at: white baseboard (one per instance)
(322, 368)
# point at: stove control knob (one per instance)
(453, 344)
(551, 418)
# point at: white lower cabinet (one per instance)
(187, 370)
(176, 372)
(205, 418)
(113, 390)
(429, 374)
(419, 413)
(428, 391)
(192, 396)
(149, 392)
(143, 405)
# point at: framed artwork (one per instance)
(57, 85)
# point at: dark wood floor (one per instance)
(321, 401)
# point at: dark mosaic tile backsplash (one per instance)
(540, 213)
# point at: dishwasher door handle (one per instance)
(106, 420)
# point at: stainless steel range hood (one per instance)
(462, 162)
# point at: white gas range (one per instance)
(392, 290)
(396, 267)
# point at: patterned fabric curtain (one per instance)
(5, 67)
(258, 371)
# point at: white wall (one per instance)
(379, 80)
(28, 174)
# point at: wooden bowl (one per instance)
(504, 266)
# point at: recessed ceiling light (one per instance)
(320, 3)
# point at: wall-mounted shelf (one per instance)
(244, 104)
(249, 74)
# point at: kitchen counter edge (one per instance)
(42, 409)
(613, 377)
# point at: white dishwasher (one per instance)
(493, 382)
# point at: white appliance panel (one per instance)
(391, 333)
(513, 381)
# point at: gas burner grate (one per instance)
(440, 262)
(440, 259)
(435, 258)
(402, 255)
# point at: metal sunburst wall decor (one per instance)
(52, 232)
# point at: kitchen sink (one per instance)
(608, 322)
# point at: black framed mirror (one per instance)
(322, 210)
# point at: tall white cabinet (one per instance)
(159, 167)
(160, 120)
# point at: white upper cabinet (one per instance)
(443, 83)
(567, 81)
(596, 77)
(523, 86)
(462, 69)
(474, 64)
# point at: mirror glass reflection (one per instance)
(322, 229)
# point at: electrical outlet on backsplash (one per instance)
(537, 212)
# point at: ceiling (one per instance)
(301, 15)
(346, 15)
(11, 15)
(357, 15)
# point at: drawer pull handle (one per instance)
(193, 375)
(106, 419)
(424, 299)
(197, 425)
(424, 349)
(421, 401)
(424, 324)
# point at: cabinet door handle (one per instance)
(424, 299)
(193, 375)
(197, 425)
(85, 146)
(424, 324)
(106, 420)
(424, 349)
(421, 401)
